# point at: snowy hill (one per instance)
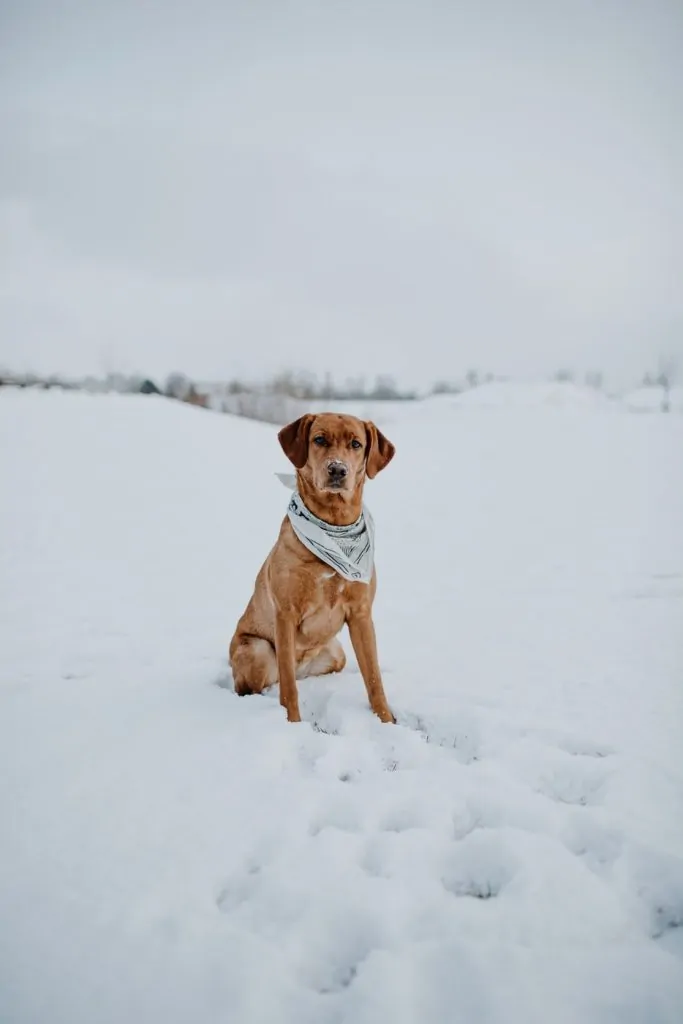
(511, 851)
(517, 394)
(650, 400)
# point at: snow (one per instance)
(651, 399)
(515, 394)
(511, 851)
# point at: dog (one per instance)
(300, 601)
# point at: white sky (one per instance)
(415, 188)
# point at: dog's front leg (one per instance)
(362, 631)
(286, 665)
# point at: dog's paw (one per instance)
(385, 715)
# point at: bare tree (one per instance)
(355, 387)
(666, 375)
(445, 387)
(178, 386)
(384, 388)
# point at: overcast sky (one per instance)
(231, 188)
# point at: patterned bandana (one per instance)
(349, 550)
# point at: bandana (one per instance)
(349, 550)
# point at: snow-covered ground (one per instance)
(516, 394)
(651, 399)
(511, 852)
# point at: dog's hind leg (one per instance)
(253, 663)
(330, 658)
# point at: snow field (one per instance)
(512, 850)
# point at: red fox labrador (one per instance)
(320, 574)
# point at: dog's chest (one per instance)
(324, 613)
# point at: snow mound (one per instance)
(520, 395)
(650, 400)
(511, 850)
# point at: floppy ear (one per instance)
(380, 450)
(294, 440)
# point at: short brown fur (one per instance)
(299, 605)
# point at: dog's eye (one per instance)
(320, 441)
(356, 443)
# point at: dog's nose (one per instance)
(337, 470)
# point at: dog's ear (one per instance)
(380, 450)
(294, 440)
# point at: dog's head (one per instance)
(334, 453)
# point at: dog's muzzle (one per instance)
(337, 473)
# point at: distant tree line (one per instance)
(305, 385)
(274, 399)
